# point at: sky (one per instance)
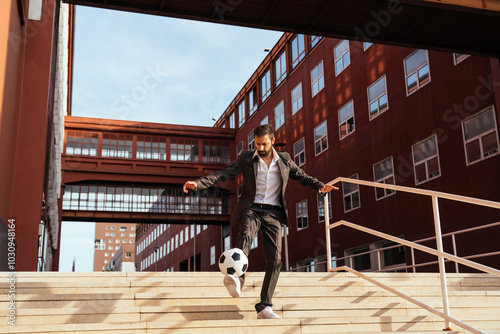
(154, 69)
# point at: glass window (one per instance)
(264, 121)
(383, 172)
(215, 151)
(351, 195)
(426, 160)
(265, 86)
(299, 152)
(251, 141)
(321, 207)
(377, 97)
(480, 136)
(279, 115)
(183, 149)
(320, 138)
(366, 45)
(317, 79)
(280, 68)
(346, 120)
(342, 58)
(459, 57)
(116, 146)
(82, 143)
(314, 40)
(359, 262)
(212, 255)
(298, 50)
(255, 242)
(297, 98)
(417, 71)
(252, 100)
(239, 149)
(231, 121)
(302, 215)
(241, 113)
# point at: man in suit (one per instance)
(261, 207)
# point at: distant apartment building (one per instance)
(109, 239)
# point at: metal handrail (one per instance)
(435, 195)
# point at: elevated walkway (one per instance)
(198, 303)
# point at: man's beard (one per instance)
(264, 154)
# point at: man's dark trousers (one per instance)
(269, 221)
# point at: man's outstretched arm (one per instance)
(213, 178)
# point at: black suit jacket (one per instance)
(247, 164)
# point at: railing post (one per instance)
(454, 242)
(442, 269)
(327, 231)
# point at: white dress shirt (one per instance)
(268, 182)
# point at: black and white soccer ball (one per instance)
(234, 262)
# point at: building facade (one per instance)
(381, 113)
(112, 239)
(123, 260)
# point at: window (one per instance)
(255, 242)
(299, 152)
(239, 191)
(231, 121)
(351, 195)
(314, 40)
(302, 215)
(212, 255)
(321, 207)
(342, 59)
(297, 98)
(417, 71)
(82, 143)
(265, 121)
(241, 113)
(215, 151)
(480, 136)
(279, 115)
(116, 146)
(251, 141)
(280, 68)
(298, 50)
(366, 45)
(320, 138)
(346, 120)
(151, 148)
(459, 57)
(252, 100)
(239, 149)
(426, 160)
(183, 149)
(377, 97)
(227, 242)
(186, 234)
(317, 79)
(383, 172)
(360, 262)
(265, 86)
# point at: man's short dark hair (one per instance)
(263, 130)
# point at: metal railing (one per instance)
(435, 195)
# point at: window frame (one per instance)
(320, 139)
(280, 117)
(330, 208)
(251, 144)
(319, 81)
(265, 87)
(238, 151)
(344, 195)
(426, 160)
(480, 136)
(298, 100)
(351, 102)
(419, 85)
(294, 62)
(279, 71)
(241, 113)
(341, 57)
(301, 216)
(377, 99)
(460, 58)
(295, 154)
(387, 192)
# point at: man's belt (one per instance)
(266, 206)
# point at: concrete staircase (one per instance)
(198, 303)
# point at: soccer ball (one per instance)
(234, 262)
